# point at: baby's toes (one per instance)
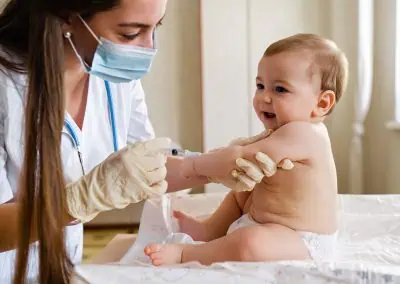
(152, 248)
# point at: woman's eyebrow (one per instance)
(137, 24)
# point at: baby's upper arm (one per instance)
(295, 141)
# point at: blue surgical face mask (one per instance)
(117, 63)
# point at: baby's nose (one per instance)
(267, 98)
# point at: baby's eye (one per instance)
(280, 89)
(260, 86)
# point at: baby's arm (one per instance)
(295, 141)
(217, 164)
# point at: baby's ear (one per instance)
(326, 101)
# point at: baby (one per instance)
(291, 215)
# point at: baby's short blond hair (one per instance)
(328, 59)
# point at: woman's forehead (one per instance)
(144, 12)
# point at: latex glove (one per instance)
(134, 173)
(252, 174)
(268, 166)
(244, 179)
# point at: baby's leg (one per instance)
(217, 225)
(269, 242)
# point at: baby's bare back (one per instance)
(304, 198)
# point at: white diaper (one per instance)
(320, 247)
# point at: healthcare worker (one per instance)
(70, 102)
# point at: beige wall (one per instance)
(173, 87)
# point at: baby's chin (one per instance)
(271, 126)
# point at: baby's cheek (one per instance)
(256, 103)
(255, 99)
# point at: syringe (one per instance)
(178, 152)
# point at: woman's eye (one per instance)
(260, 87)
(130, 36)
(280, 89)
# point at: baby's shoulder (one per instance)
(304, 130)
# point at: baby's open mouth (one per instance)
(269, 115)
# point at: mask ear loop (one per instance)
(68, 35)
(89, 29)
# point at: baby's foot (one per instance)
(164, 254)
(191, 226)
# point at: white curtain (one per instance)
(352, 28)
(363, 93)
(366, 31)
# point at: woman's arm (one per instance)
(176, 181)
(9, 226)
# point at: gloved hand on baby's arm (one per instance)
(265, 163)
(268, 166)
(217, 165)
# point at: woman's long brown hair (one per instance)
(31, 39)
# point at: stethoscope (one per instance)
(74, 137)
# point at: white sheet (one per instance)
(368, 250)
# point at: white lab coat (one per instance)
(132, 124)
